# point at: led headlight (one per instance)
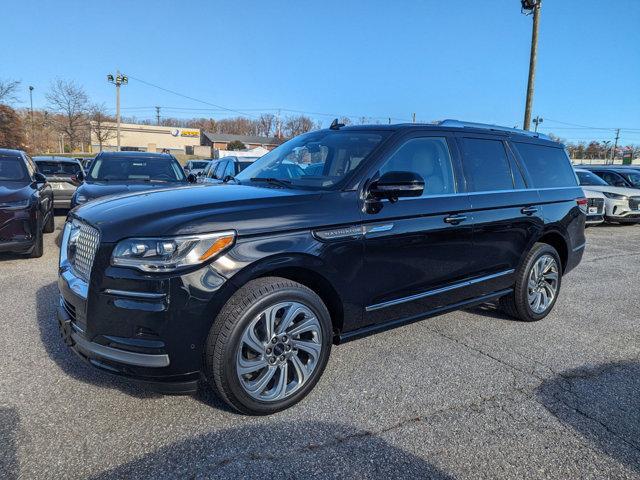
(170, 253)
(15, 205)
(614, 195)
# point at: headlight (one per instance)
(15, 205)
(170, 253)
(81, 199)
(614, 195)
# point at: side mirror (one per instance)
(39, 178)
(200, 173)
(78, 177)
(394, 185)
(191, 178)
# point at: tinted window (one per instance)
(548, 167)
(612, 178)
(428, 157)
(198, 165)
(486, 165)
(57, 168)
(633, 178)
(149, 169)
(12, 169)
(229, 169)
(589, 179)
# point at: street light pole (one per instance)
(531, 6)
(538, 120)
(31, 112)
(118, 80)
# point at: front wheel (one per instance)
(268, 346)
(537, 285)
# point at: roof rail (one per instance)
(458, 124)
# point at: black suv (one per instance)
(113, 173)
(26, 204)
(334, 235)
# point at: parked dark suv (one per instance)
(250, 283)
(26, 204)
(113, 173)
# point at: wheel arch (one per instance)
(305, 269)
(559, 242)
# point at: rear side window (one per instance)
(548, 167)
(486, 165)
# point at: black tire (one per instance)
(228, 327)
(50, 226)
(516, 304)
(38, 248)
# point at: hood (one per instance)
(629, 192)
(100, 189)
(592, 193)
(209, 208)
(14, 191)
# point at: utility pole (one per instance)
(615, 146)
(537, 121)
(414, 118)
(157, 115)
(528, 7)
(117, 81)
(278, 131)
(31, 111)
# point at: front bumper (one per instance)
(150, 329)
(17, 228)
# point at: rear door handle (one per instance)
(529, 210)
(455, 219)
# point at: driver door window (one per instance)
(430, 158)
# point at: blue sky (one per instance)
(437, 58)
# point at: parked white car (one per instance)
(622, 205)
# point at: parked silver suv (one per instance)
(622, 205)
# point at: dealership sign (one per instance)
(184, 133)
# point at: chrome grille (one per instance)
(634, 203)
(86, 244)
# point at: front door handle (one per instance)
(455, 219)
(529, 210)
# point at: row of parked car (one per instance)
(613, 193)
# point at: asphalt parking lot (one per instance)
(466, 395)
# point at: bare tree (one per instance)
(8, 89)
(266, 124)
(71, 101)
(299, 124)
(103, 126)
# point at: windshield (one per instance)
(316, 160)
(199, 164)
(588, 178)
(57, 168)
(12, 169)
(633, 178)
(132, 169)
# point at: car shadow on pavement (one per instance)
(9, 421)
(490, 310)
(70, 363)
(602, 403)
(280, 450)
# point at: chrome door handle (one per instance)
(529, 210)
(455, 219)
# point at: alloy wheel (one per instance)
(542, 286)
(279, 351)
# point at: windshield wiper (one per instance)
(275, 181)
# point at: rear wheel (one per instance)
(268, 346)
(537, 285)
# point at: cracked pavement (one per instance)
(469, 394)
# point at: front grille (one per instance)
(634, 203)
(596, 202)
(85, 251)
